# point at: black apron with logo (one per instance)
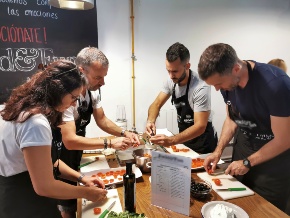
(18, 199)
(72, 157)
(269, 178)
(204, 143)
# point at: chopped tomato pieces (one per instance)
(217, 181)
(97, 210)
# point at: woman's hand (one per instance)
(93, 181)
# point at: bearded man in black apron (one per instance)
(257, 97)
(69, 139)
(191, 97)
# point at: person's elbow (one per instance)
(69, 142)
(43, 189)
(200, 128)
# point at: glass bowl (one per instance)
(200, 189)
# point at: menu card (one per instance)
(170, 182)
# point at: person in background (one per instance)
(257, 99)
(192, 99)
(279, 63)
(27, 184)
(69, 139)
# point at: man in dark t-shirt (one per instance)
(257, 97)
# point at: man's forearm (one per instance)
(153, 112)
(109, 127)
(228, 131)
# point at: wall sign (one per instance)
(32, 32)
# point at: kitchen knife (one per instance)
(85, 164)
(163, 148)
(107, 210)
(230, 189)
(218, 172)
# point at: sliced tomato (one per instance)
(217, 181)
(97, 210)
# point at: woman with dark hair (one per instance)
(27, 184)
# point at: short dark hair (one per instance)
(177, 50)
(217, 58)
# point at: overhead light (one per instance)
(72, 4)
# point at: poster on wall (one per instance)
(33, 32)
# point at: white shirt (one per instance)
(14, 137)
(72, 114)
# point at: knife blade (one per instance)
(230, 189)
(107, 210)
(163, 148)
(218, 172)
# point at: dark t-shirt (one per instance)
(266, 93)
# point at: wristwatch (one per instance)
(247, 163)
(123, 132)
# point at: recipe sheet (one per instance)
(170, 182)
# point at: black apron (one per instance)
(72, 157)
(204, 143)
(18, 199)
(270, 179)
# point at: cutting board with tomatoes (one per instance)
(226, 181)
(88, 206)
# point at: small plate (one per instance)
(239, 212)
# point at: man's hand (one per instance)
(121, 143)
(162, 140)
(237, 168)
(133, 137)
(210, 162)
(150, 128)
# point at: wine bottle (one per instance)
(129, 186)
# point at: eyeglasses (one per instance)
(74, 97)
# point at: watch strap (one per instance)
(247, 163)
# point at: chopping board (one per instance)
(88, 208)
(227, 181)
(191, 153)
(99, 164)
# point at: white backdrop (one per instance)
(257, 29)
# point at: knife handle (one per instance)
(104, 214)
(236, 189)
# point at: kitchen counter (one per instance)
(255, 205)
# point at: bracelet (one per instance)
(105, 144)
(80, 178)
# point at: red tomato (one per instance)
(217, 181)
(97, 210)
(209, 171)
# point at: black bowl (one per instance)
(200, 189)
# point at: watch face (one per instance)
(246, 163)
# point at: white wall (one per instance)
(257, 29)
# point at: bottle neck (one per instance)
(128, 168)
